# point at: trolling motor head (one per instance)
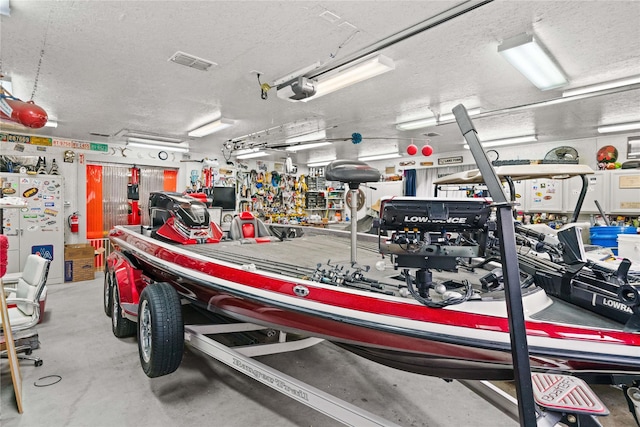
(353, 173)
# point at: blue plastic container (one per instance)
(607, 236)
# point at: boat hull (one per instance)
(468, 341)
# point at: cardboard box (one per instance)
(79, 262)
(78, 251)
(79, 269)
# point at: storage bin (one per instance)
(629, 247)
(607, 236)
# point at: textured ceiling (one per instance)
(105, 68)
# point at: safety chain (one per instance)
(44, 43)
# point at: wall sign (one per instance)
(450, 160)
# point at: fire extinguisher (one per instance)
(74, 222)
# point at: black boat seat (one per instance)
(246, 228)
(352, 172)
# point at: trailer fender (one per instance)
(129, 281)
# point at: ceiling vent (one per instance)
(191, 61)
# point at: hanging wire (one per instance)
(343, 44)
(44, 43)
(264, 88)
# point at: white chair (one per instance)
(23, 300)
(34, 268)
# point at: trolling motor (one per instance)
(353, 173)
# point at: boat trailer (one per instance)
(559, 398)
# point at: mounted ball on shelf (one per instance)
(607, 157)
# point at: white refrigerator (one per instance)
(37, 228)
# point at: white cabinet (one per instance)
(598, 189)
(543, 195)
(624, 197)
(39, 227)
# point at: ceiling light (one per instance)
(450, 117)
(314, 136)
(620, 127)
(246, 151)
(5, 82)
(344, 76)
(352, 74)
(152, 141)
(51, 124)
(307, 146)
(417, 124)
(601, 86)
(432, 121)
(507, 141)
(318, 164)
(210, 128)
(142, 136)
(5, 8)
(529, 57)
(379, 157)
(179, 149)
(252, 155)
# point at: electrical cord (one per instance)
(433, 304)
(264, 88)
(55, 379)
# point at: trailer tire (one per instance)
(120, 326)
(160, 330)
(106, 296)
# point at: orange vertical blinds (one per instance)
(94, 202)
(170, 180)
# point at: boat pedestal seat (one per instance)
(351, 172)
(246, 228)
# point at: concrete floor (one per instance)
(103, 385)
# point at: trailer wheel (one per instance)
(160, 330)
(106, 296)
(120, 326)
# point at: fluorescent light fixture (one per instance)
(417, 124)
(210, 128)
(601, 86)
(507, 141)
(529, 57)
(153, 141)
(432, 121)
(246, 151)
(5, 8)
(350, 74)
(620, 127)
(252, 155)
(51, 124)
(6, 84)
(314, 136)
(318, 164)
(449, 116)
(307, 146)
(379, 157)
(178, 149)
